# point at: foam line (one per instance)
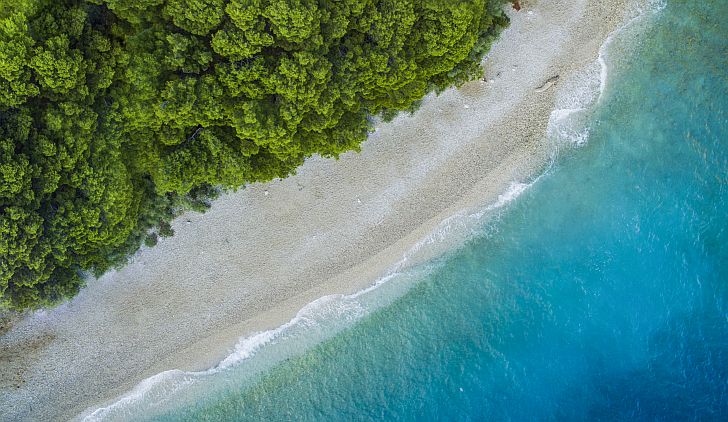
(587, 88)
(345, 309)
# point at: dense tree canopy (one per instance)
(116, 115)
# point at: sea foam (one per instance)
(579, 94)
(320, 319)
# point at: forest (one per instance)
(118, 115)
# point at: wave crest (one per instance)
(569, 121)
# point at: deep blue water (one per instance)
(601, 293)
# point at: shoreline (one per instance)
(261, 254)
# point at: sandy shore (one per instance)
(262, 253)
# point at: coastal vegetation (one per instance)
(118, 115)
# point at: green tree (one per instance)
(118, 115)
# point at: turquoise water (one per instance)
(601, 293)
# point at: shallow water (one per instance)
(601, 293)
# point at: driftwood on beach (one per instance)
(548, 84)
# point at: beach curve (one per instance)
(338, 226)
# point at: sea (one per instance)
(596, 290)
